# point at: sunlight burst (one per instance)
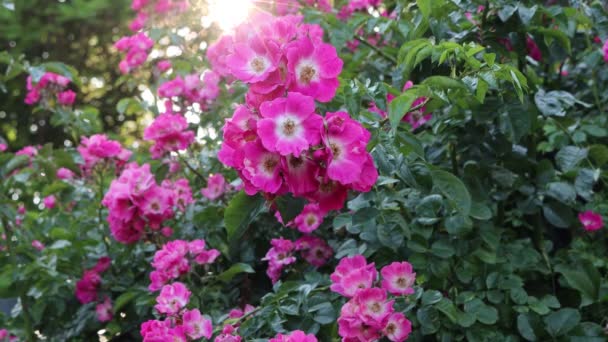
(229, 13)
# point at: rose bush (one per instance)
(325, 170)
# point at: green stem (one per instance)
(538, 239)
(191, 168)
(413, 109)
(27, 319)
(376, 49)
(594, 89)
(453, 158)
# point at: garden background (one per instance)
(314, 170)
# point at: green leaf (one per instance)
(599, 154)
(454, 189)
(559, 323)
(289, 207)
(448, 308)
(484, 313)
(555, 103)
(429, 319)
(558, 214)
(569, 157)
(458, 224)
(526, 324)
(15, 163)
(400, 106)
(123, 300)
(425, 7)
(6, 282)
(235, 269)
(526, 14)
(550, 34)
(515, 122)
(241, 210)
(59, 244)
(480, 211)
(585, 279)
(562, 191)
(442, 249)
(324, 313)
(128, 106)
(431, 297)
(444, 83)
(585, 180)
(506, 12)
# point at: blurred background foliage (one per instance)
(80, 33)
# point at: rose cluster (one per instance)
(137, 48)
(312, 249)
(149, 8)
(49, 86)
(174, 260)
(194, 88)
(98, 148)
(415, 118)
(88, 286)
(135, 201)
(182, 324)
(276, 141)
(369, 314)
(169, 133)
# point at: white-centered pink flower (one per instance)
(216, 186)
(352, 275)
(310, 218)
(252, 61)
(262, 168)
(195, 325)
(289, 125)
(398, 278)
(346, 140)
(314, 67)
(103, 310)
(590, 220)
(397, 328)
(172, 298)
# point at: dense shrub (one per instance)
(324, 170)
